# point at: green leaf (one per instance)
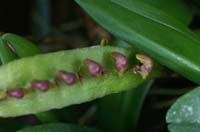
(47, 117)
(184, 127)
(21, 46)
(197, 32)
(6, 55)
(13, 47)
(153, 14)
(120, 112)
(184, 113)
(186, 108)
(58, 127)
(138, 98)
(12, 124)
(176, 8)
(176, 49)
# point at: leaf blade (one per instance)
(183, 115)
(184, 127)
(58, 127)
(120, 112)
(6, 55)
(170, 50)
(186, 108)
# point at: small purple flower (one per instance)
(146, 60)
(145, 67)
(121, 62)
(68, 77)
(17, 93)
(42, 85)
(94, 68)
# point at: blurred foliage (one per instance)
(61, 24)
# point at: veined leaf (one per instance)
(177, 50)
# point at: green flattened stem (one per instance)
(171, 45)
(13, 47)
(20, 74)
(20, 47)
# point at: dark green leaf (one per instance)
(23, 47)
(58, 127)
(176, 49)
(48, 116)
(176, 8)
(120, 112)
(197, 32)
(6, 55)
(152, 13)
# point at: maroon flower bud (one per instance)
(94, 68)
(42, 85)
(68, 77)
(17, 93)
(121, 62)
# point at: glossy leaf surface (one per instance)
(154, 14)
(184, 113)
(186, 108)
(178, 9)
(6, 55)
(21, 46)
(176, 49)
(120, 112)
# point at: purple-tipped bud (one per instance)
(94, 68)
(68, 77)
(42, 85)
(121, 62)
(17, 93)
